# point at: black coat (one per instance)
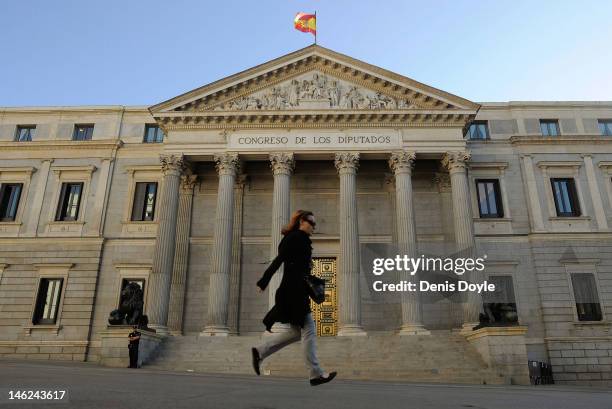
(291, 299)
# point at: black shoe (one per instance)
(256, 360)
(321, 380)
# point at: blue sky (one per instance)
(143, 52)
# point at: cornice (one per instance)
(488, 165)
(316, 119)
(510, 105)
(559, 164)
(61, 145)
(74, 109)
(559, 140)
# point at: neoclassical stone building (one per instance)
(186, 198)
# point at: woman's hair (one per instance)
(294, 221)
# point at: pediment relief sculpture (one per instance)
(315, 91)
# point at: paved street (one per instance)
(90, 386)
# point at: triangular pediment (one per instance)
(314, 80)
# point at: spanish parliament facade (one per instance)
(186, 198)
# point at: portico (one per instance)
(312, 106)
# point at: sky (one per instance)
(132, 52)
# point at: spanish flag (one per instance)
(306, 23)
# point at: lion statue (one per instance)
(130, 307)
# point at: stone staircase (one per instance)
(442, 357)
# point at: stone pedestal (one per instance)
(115, 342)
(504, 350)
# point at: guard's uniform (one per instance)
(133, 347)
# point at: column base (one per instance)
(215, 331)
(413, 329)
(467, 327)
(351, 331)
(159, 329)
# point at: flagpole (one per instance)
(315, 27)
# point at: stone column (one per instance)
(236, 271)
(282, 165)
(456, 163)
(349, 265)
(181, 255)
(401, 163)
(163, 256)
(227, 165)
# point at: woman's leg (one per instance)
(309, 343)
(278, 341)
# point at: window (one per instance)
(82, 132)
(566, 199)
(500, 305)
(605, 126)
(478, 130)
(143, 208)
(10, 194)
(69, 203)
(489, 198)
(153, 134)
(25, 133)
(585, 294)
(47, 301)
(549, 127)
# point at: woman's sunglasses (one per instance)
(313, 224)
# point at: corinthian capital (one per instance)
(227, 163)
(402, 161)
(282, 163)
(456, 160)
(346, 161)
(172, 164)
(188, 182)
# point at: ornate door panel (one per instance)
(326, 313)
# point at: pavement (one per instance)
(90, 386)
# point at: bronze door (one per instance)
(326, 313)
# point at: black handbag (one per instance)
(316, 288)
